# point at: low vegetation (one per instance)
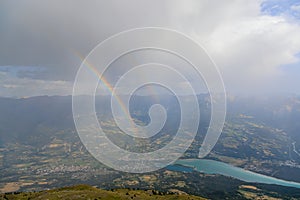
(89, 192)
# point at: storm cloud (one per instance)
(255, 50)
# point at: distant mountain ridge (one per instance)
(21, 117)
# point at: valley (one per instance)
(45, 152)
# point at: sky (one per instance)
(254, 43)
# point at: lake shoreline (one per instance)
(207, 166)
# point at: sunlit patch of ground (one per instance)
(10, 187)
(134, 182)
(257, 196)
(180, 184)
(179, 192)
(42, 183)
(233, 161)
(15, 186)
(55, 145)
(148, 178)
(252, 192)
(249, 187)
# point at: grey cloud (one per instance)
(47, 33)
(248, 47)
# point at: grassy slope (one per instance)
(88, 192)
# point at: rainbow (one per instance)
(109, 87)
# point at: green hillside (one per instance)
(89, 192)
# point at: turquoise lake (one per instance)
(216, 167)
